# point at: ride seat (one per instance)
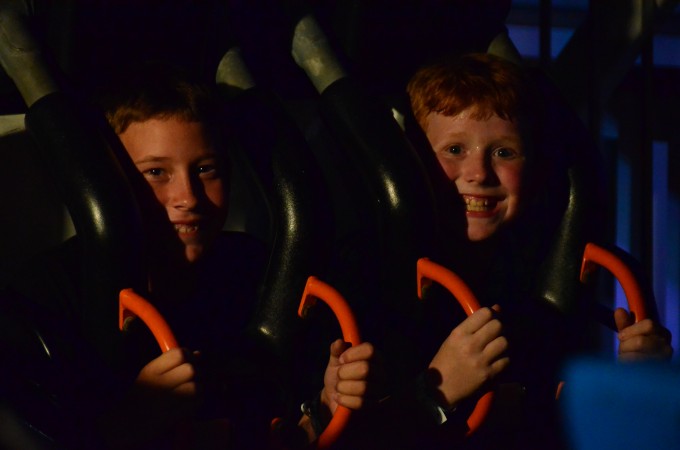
(35, 217)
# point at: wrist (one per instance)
(433, 401)
(433, 386)
(326, 401)
(317, 412)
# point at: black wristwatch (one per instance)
(427, 399)
(312, 409)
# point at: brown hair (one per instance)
(159, 91)
(491, 84)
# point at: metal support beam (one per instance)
(614, 34)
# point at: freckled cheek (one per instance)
(220, 207)
(450, 168)
(512, 181)
(154, 207)
(154, 196)
(217, 195)
(511, 177)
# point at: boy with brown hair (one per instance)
(201, 279)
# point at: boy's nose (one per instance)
(184, 194)
(476, 168)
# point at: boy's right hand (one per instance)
(471, 356)
(172, 372)
(164, 393)
(349, 373)
(166, 387)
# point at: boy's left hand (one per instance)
(346, 381)
(644, 340)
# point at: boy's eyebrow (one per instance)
(464, 134)
(448, 135)
(509, 138)
(156, 159)
(151, 159)
(515, 141)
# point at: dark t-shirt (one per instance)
(70, 385)
(525, 413)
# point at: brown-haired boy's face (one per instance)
(485, 160)
(182, 167)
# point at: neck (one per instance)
(472, 260)
(170, 282)
(478, 257)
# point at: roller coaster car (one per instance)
(39, 386)
(52, 382)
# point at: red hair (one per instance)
(489, 83)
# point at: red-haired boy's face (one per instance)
(485, 160)
(182, 167)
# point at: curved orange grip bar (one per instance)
(428, 271)
(317, 289)
(131, 302)
(594, 254)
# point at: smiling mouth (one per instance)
(182, 228)
(479, 204)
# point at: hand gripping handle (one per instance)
(317, 289)
(594, 254)
(132, 303)
(428, 271)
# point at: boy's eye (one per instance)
(208, 170)
(506, 153)
(154, 172)
(454, 150)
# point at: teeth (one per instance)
(476, 204)
(181, 228)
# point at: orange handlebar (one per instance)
(317, 289)
(428, 271)
(594, 254)
(131, 302)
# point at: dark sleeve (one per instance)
(409, 419)
(50, 280)
(53, 381)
